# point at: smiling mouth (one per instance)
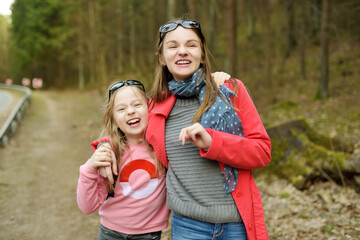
(134, 122)
(182, 62)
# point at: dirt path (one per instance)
(39, 169)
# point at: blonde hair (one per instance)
(117, 138)
(160, 89)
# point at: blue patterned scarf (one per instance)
(220, 116)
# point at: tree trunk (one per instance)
(92, 41)
(80, 55)
(230, 18)
(132, 41)
(323, 91)
(171, 9)
(268, 44)
(3, 49)
(191, 4)
(212, 9)
(315, 18)
(120, 39)
(290, 30)
(249, 5)
(302, 41)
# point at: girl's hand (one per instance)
(105, 160)
(196, 135)
(220, 77)
(106, 172)
(100, 158)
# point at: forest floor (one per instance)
(39, 172)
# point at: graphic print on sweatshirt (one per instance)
(138, 179)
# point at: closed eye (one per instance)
(192, 45)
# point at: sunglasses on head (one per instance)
(120, 84)
(168, 27)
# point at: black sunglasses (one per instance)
(120, 84)
(171, 26)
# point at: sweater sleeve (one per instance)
(248, 152)
(91, 189)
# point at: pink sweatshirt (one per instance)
(139, 203)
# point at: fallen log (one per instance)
(301, 155)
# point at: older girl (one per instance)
(209, 139)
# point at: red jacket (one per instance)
(245, 153)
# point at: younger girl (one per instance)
(136, 206)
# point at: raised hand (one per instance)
(196, 135)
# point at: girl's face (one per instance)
(181, 53)
(131, 113)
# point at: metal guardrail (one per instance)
(11, 123)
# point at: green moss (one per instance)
(284, 195)
(278, 149)
(297, 181)
(303, 162)
(285, 105)
(298, 163)
(295, 168)
(2, 184)
(316, 153)
(330, 143)
(329, 228)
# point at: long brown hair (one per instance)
(160, 89)
(117, 137)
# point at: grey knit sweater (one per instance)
(194, 184)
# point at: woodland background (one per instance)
(90, 42)
(299, 59)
